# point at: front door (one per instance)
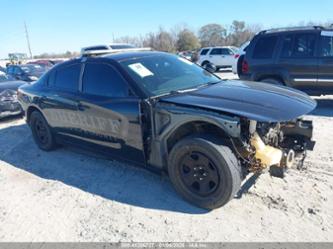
(109, 114)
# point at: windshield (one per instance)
(5, 77)
(164, 73)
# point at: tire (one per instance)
(203, 64)
(193, 157)
(41, 132)
(239, 65)
(272, 81)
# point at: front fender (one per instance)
(170, 118)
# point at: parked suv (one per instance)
(221, 57)
(299, 57)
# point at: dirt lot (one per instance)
(66, 195)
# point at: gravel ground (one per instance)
(66, 195)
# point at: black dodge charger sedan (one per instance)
(163, 112)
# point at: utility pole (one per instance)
(27, 37)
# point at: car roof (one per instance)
(294, 30)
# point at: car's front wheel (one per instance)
(41, 131)
(204, 171)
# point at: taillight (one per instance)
(236, 56)
(245, 67)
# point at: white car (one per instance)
(221, 57)
(241, 51)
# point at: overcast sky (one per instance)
(61, 25)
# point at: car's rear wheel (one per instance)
(204, 171)
(41, 131)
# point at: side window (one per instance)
(287, 46)
(10, 70)
(264, 47)
(216, 51)
(226, 51)
(103, 80)
(68, 77)
(17, 70)
(304, 45)
(326, 46)
(204, 51)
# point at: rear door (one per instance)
(227, 57)
(59, 99)
(325, 68)
(298, 60)
(215, 56)
(109, 115)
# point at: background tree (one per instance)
(212, 35)
(187, 40)
(161, 41)
(239, 33)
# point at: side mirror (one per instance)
(210, 67)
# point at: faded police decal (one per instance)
(117, 126)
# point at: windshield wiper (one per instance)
(194, 88)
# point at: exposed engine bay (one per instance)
(280, 145)
(9, 104)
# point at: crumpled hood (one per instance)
(12, 85)
(256, 101)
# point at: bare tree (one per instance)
(239, 33)
(162, 41)
(212, 35)
(133, 40)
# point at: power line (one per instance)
(28, 41)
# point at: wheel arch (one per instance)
(194, 127)
(186, 125)
(30, 109)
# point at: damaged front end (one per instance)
(275, 146)
(9, 104)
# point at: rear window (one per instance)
(264, 47)
(68, 77)
(204, 51)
